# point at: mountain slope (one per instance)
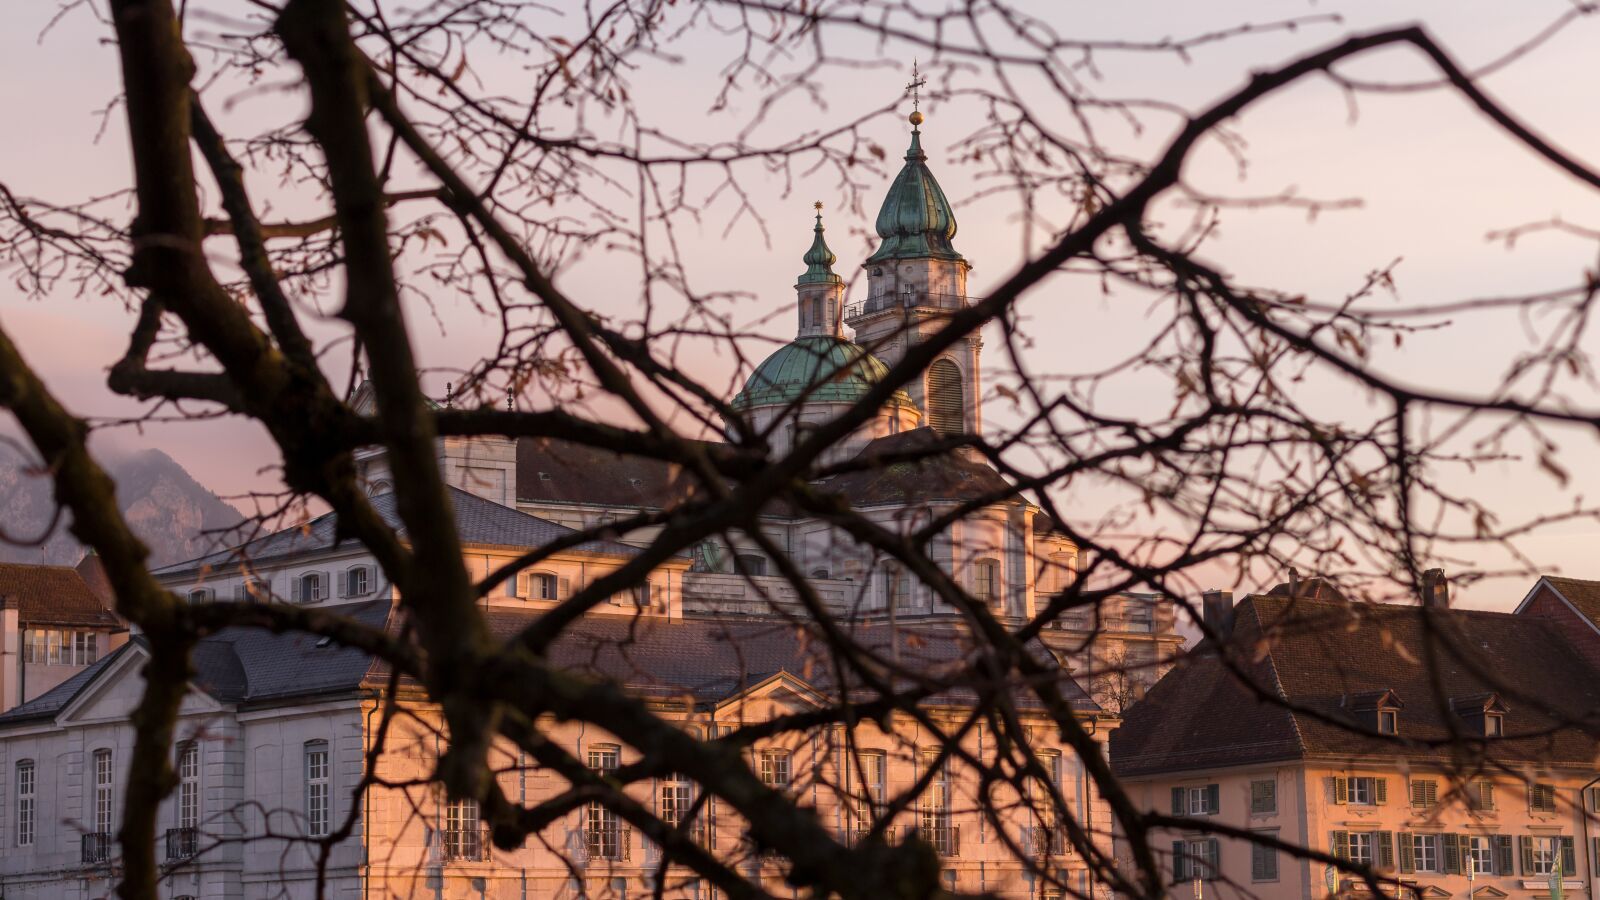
(166, 507)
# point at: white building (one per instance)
(274, 739)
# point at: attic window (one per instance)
(1493, 725)
(1388, 721)
(545, 476)
(636, 482)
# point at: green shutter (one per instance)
(1527, 854)
(1213, 799)
(1385, 849)
(1503, 862)
(1450, 849)
(1569, 857)
(1407, 853)
(1341, 789)
(1213, 858)
(1180, 869)
(1339, 845)
(1380, 790)
(1177, 802)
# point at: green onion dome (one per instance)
(916, 221)
(815, 369)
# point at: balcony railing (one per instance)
(96, 847)
(466, 844)
(1047, 842)
(911, 300)
(615, 844)
(944, 837)
(182, 843)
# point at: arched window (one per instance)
(310, 587)
(947, 407)
(816, 311)
(537, 585)
(750, 564)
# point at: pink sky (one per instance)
(1433, 175)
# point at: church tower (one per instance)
(915, 280)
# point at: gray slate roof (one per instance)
(708, 660)
(478, 521)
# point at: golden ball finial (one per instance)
(916, 118)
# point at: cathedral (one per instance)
(275, 738)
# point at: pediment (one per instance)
(783, 690)
(114, 693)
(1489, 892)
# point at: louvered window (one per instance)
(946, 400)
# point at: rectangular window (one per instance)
(1481, 795)
(1360, 847)
(938, 826)
(1264, 796)
(676, 802)
(1544, 855)
(1203, 801)
(317, 793)
(1425, 852)
(1366, 790)
(1203, 859)
(1264, 861)
(986, 581)
(25, 808)
(1542, 798)
(104, 787)
(84, 648)
(53, 645)
(463, 833)
(188, 785)
(602, 830)
(1424, 793)
(1480, 852)
(775, 768)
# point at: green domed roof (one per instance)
(916, 221)
(818, 368)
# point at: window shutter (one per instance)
(344, 584)
(1486, 795)
(659, 595)
(1341, 789)
(1503, 864)
(1527, 853)
(1213, 859)
(1180, 868)
(1262, 799)
(1177, 802)
(1569, 856)
(1407, 854)
(241, 591)
(294, 588)
(1213, 799)
(1340, 844)
(1380, 790)
(563, 588)
(1385, 849)
(1450, 848)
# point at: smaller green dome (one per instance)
(818, 368)
(819, 259)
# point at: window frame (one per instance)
(1551, 853)
(103, 768)
(1272, 796)
(1488, 854)
(317, 769)
(776, 767)
(463, 831)
(27, 776)
(1434, 853)
(602, 827)
(1494, 725)
(986, 581)
(1389, 721)
(1366, 855)
(1258, 852)
(1538, 790)
(186, 805)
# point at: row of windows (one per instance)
(186, 806)
(1367, 790)
(45, 646)
(307, 587)
(1455, 854)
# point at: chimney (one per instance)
(1217, 606)
(1435, 589)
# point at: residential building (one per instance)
(53, 624)
(1422, 741)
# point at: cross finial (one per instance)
(917, 81)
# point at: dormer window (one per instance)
(1388, 721)
(1493, 725)
(1482, 714)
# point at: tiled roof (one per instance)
(707, 659)
(555, 471)
(242, 665)
(1320, 654)
(52, 595)
(478, 521)
(1583, 595)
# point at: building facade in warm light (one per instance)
(1338, 738)
(275, 738)
(53, 624)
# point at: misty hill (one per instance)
(166, 507)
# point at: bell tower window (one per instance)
(947, 411)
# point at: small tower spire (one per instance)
(820, 289)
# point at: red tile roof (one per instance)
(1318, 655)
(52, 595)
